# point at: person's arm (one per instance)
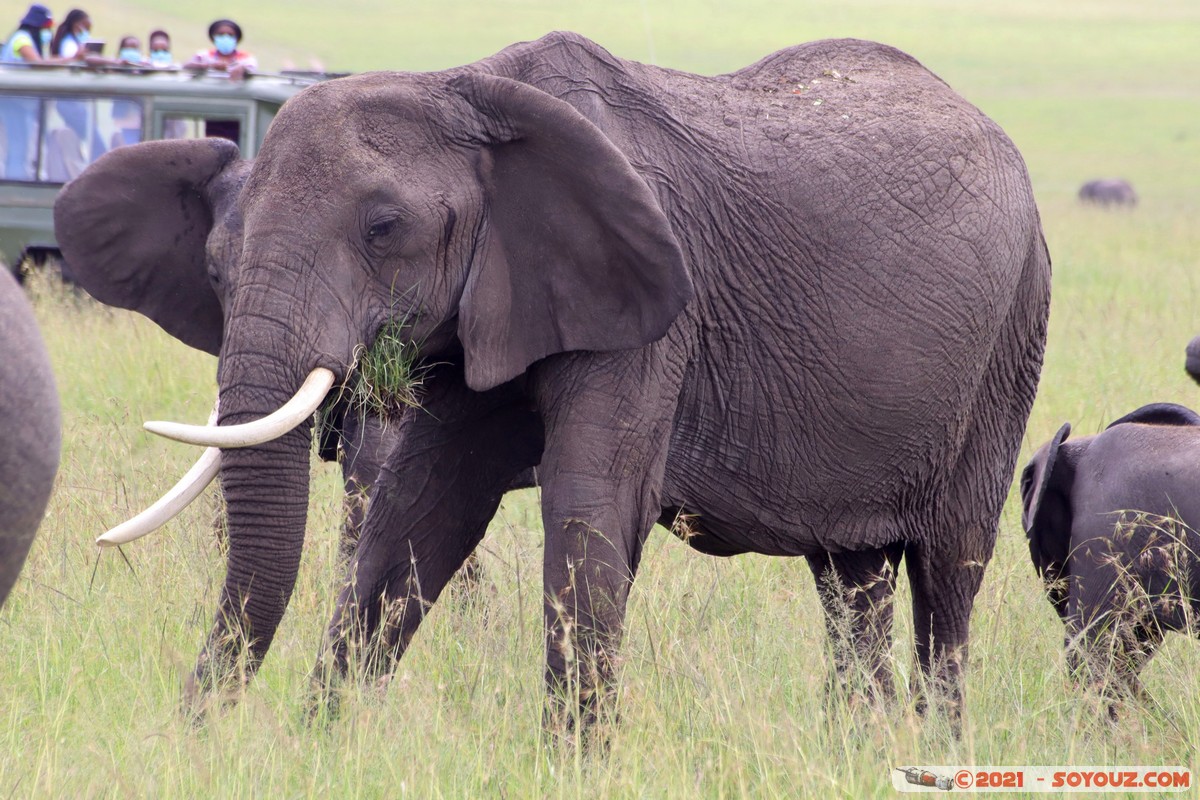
(201, 60)
(23, 46)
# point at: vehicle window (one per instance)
(188, 126)
(80, 130)
(20, 118)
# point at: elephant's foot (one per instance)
(583, 720)
(937, 691)
(204, 696)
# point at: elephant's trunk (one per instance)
(1193, 359)
(266, 490)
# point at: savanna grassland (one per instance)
(724, 664)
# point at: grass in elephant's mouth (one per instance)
(387, 376)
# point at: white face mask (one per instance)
(46, 35)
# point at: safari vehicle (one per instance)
(55, 120)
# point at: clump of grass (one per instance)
(388, 374)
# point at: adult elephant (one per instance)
(32, 434)
(803, 303)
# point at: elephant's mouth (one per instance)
(385, 378)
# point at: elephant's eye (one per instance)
(380, 230)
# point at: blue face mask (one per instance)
(83, 36)
(46, 35)
(130, 54)
(160, 58)
(226, 43)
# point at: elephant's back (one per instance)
(1148, 469)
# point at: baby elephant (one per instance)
(1112, 524)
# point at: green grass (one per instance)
(724, 663)
(388, 374)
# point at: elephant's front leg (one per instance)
(601, 473)
(430, 507)
(856, 591)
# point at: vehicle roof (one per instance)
(268, 87)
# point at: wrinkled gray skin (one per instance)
(815, 329)
(31, 437)
(1112, 521)
(1109, 193)
(1192, 362)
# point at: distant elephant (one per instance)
(1112, 521)
(30, 430)
(801, 306)
(1108, 192)
(1192, 362)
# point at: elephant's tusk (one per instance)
(170, 504)
(292, 413)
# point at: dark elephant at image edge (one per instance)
(1192, 359)
(813, 328)
(1112, 521)
(31, 437)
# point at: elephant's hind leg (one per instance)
(943, 593)
(856, 591)
(957, 530)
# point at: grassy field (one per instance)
(723, 681)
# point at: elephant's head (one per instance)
(493, 222)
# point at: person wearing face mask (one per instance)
(224, 55)
(31, 39)
(130, 52)
(27, 44)
(72, 35)
(160, 50)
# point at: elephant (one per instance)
(32, 435)
(1111, 520)
(801, 306)
(1108, 193)
(1192, 361)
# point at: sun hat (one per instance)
(38, 16)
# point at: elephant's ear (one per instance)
(1046, 512)
(133, 228)
(575, 254)
(1160, 414)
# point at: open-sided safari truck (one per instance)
(55, 120)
